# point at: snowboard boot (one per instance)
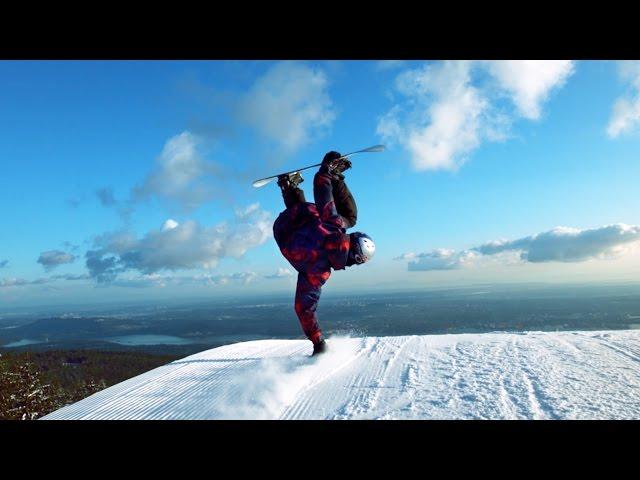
(334, 164)
(319, 347)
(290, 181)
(338, 166)
(291, 194)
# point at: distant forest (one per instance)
(33, 384)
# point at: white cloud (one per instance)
(446, 112)
(170, 224)
(21, 282)
(247, 212)
(444, 122)
(53, 258)
(440, 259)
(12, 282)
(281, 273)
(188, 245)
(71, 277)
(529, 82)
(389, 126)
(162, 281)
(406, 256)
(181, 174)
(625, 117)
(139, 281)
(243, 277)
(289, 105)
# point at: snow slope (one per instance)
(535, 375)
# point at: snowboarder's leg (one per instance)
(307, 297)
(345, 203)
(291, 194)
(332, 167)
(292, 197)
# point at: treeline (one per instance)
(33, 384)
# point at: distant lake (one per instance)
(149, 340)
(22, 343)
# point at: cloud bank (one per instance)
(561, 244)
(565, 244)
(21, 282)
(142, 280)
(157, 280)
(178, 246)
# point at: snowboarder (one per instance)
(313, 238)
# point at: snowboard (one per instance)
(263, 181)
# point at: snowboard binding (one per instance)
(339, 165)
(290, 181)
(334, 163)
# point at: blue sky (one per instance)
(132, 180)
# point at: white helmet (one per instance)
(362, 247)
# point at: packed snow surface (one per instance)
(534, 375)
